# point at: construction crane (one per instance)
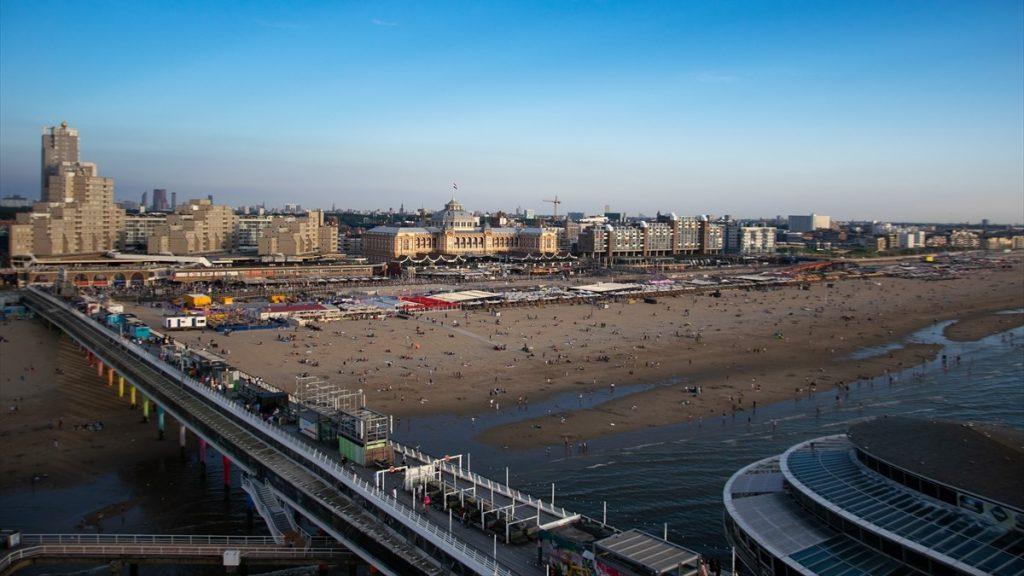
(554, 204)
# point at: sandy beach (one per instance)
(55, 393)
(741, 348)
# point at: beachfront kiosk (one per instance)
(332, 414)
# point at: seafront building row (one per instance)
(77, 216)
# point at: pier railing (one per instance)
(161, 546)
(480, 562)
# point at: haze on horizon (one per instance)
(906, 111)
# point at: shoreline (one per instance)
(977, 326)
(580, 425)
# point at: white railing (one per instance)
(484, 482)
(481, 563)
(33, 539)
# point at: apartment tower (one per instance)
(60, 145)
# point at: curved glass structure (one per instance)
(830, 506)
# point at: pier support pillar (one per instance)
(145, 409)
(99, 368)
(181, 437)
(159, 423)
(132, 394)
(227, 473)
(110, 377)
(202, 452)
(120, 387)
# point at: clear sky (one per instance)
(899, 110)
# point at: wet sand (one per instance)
(763, 345)
(975, 327)
(47, 378)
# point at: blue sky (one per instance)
(887, 110)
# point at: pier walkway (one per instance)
(165, 549)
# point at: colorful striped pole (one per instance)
(120, 387)
(110, 377)
(145, 409)
(159, 422)
(132, 395)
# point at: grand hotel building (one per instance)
(455, 232)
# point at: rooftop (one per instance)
(657, 555)
(951, 453)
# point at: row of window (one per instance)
(909, 479)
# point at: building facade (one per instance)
(137, 230)
(893, 496)
(809, 223)
(457, 235)
(964, 239)
(299, 236)
(60, 146)
(77, 214)
(198, 227)
(249, 231)
(667, 236)
(749, 240)
(160, 203)
(912, 240)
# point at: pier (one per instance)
(381, 515)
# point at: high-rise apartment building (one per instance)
(77, 214)
(60, 146)
(160, 200)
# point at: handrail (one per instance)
(441, 538)
(199, 549)
(144, 539)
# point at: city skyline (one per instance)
(874, 111)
